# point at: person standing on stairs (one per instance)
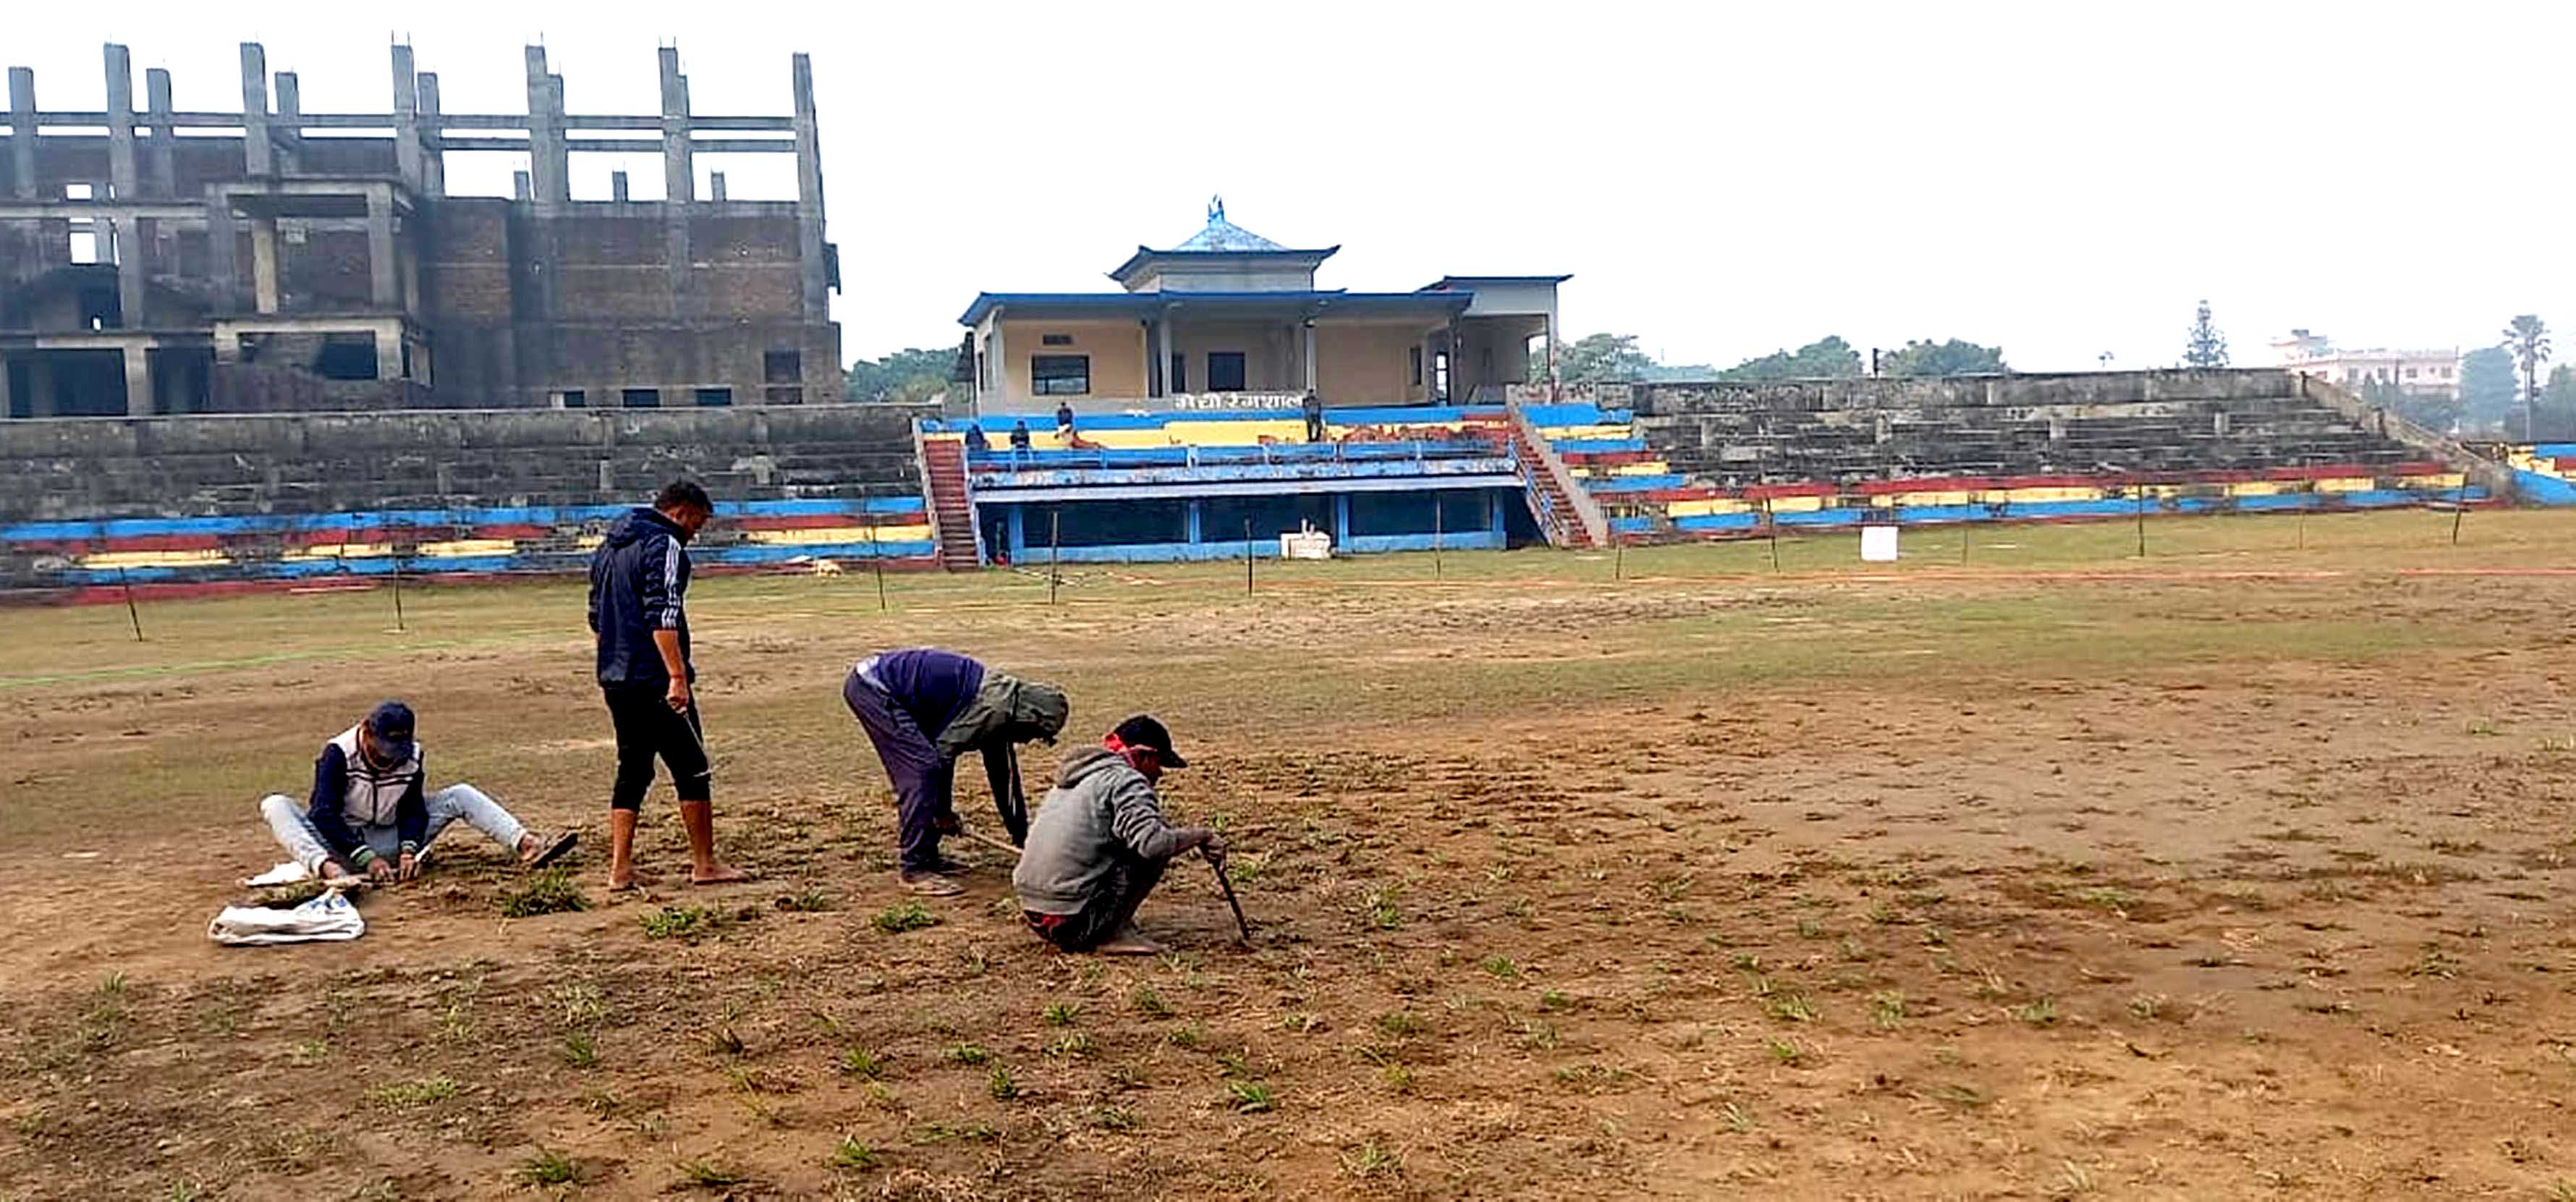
(639, 578)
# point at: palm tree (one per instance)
(2528, 338)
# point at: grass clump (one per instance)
(909, 916)
(549, 1167)
(854, 1154)
(549, 892)
(1250, 1097)
(418, 1092)
(687, 923)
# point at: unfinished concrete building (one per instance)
(155, 261)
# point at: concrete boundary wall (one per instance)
(203, 499)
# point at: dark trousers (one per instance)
(647, 727)
(924, 781)
(1314, 427)
(1130, 879)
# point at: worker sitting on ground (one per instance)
(922, 709)
(367, 813)
(1100, 843)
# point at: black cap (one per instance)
(391, 723)
(1143, 731)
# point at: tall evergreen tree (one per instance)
(2208, 347)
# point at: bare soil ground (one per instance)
(2242, 870)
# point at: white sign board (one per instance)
(1878, 544)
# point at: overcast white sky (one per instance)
(1721, 179)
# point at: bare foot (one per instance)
(621, 884)
(718, 874)
(1129, 942)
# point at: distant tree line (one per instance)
(1614, 358)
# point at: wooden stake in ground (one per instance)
(1247, 557)
(1241, 927)
(131, 614)
(1055, 534)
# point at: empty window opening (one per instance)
(714, 398)
(641, 398)
(1055, 339)
(1413, 365)
(84, 246)
(346, 358)
(782, 367)
(572, 398)
(80, 192)
(1060, 375)
(1225, 371)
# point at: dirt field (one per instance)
(2240, 870)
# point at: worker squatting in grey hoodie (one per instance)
(1100, 810)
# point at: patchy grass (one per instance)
(854, 1155)
(700, 1173)
(1250, 1097)
(687, 923)
(549, 892)
(420, 1091)
(863, 1062)
(904, 916)
(549, 1167)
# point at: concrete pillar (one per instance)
(809, 195)
(138, 380)
(384, 286)
(1145, 351)
(123, 180)
(1020, 535)
(679, 182)
(715, 187)
(290, 124)
(124, 183)
(1163, 354)
(406, 118)
(126, 238)
(545, 131)
(617, 186)
(263, 264)
(1555, 391)
(1306, 341)
(223, 256)
(389, 348)
(22, 132)
(433, 155)
(679, 179)
(520, 188)
(1194, 522)
(257, 160)
(162, 170)
(1342, 519)
(1001, 367)
(8, 402)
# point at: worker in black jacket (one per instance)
(639, 578)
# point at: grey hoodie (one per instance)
(1100, 807)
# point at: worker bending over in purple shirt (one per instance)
(923, 708)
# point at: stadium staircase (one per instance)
(952, 506)
(1563, 508)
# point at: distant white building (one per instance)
(2422, 372)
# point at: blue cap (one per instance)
(391, 724)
